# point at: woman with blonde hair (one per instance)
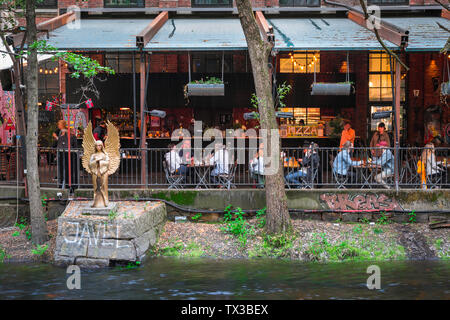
(429, 164)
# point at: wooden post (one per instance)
(397, 121)
(143, 135)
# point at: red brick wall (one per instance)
(163, 63)
(424, 67)
(335, 62)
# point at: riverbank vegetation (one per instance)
(318, 241)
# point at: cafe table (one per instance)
(367, 172)
(202, 172)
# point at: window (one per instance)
(310, 116)
(122, 63)
(123, 3)
(380, 86)
(387, 121)
(299, 3)
(211, 63)
(47, 4)
(211, 3)
(48, 79)
(388, 2)
(380, 90)
(300, 62)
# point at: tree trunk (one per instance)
(277, 214)
(38, 225)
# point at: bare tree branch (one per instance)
(446, 6)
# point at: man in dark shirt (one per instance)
(100, 131)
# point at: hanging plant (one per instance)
(332, 89)
(208, 87)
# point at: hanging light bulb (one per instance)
(56, 69)
(295, 63)
(46, 71)
(302, 67)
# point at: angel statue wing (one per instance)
(112, 148)
(88, 147)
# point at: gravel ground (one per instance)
(18, 248)
(310, 240)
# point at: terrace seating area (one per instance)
(415, 170)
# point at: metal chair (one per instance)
(226, 180)
(175, 180)
(341, 181)
(309, 180)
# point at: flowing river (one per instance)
(174, 278)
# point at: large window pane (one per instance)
(388, 2)
(124, 3)
(46, 4)
(212, 3)
(299, 3)
(300, 62)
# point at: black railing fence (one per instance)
(363, 168)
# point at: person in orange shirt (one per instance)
(348, 134)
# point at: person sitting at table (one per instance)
(220, 160)
(256, 168)
(378, 136)
(343, 162)
(428, 158)
(348, 134)
(174, 161)
(386, 162)
(310, 162)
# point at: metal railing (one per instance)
(326, 168)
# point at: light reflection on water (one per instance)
(172, 278)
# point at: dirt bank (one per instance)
(309, 241)
(15, 246)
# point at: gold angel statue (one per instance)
(101, 161)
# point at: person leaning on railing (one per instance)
(386, 162)
(63, 157)
(343, 162)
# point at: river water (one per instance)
(174, 278)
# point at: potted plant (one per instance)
(332, 89)
(205, 87)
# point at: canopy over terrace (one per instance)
(323, 34)
(199, 34)
(206, 34)
(424, 33)
(98, 34)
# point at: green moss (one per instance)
(185, 197)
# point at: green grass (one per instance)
(179, 249)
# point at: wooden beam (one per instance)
(387, 30)
(264, 27)
(143, 127)
(57, 22)
(149, 32)
(445, 14)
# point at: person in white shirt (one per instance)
(174, 161)
(257, 166)
(220, 160)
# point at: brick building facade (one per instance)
(421, 91)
